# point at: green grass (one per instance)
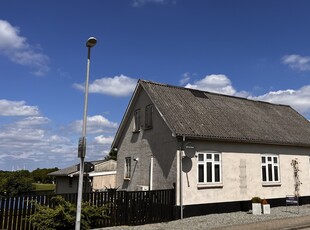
(43, 187)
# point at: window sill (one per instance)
(271, 184)
(206, 186)
(127, 179)
(136, 131)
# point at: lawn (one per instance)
(43, 187)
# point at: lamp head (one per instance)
(91, 42)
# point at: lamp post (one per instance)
(91, 42)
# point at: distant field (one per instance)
(44, 187)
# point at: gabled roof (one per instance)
(204, 115)
(72, 170)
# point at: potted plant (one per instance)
(265, 207)
(256, 205)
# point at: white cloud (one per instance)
(298, 99)
(104, 140)
(217, 83)
(185, 78)
(117, 86)
(18, 50)
(95, 124)
(140, 3)
(297, 62)
(33, 121)
(31, 140)
(17, 108)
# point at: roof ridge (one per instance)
(214, 93)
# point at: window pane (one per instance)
(263, 159)
(209, 172)
(216, 157)
(127, 167)
(275, 160)
(148, 116)
(70, 182)
(200, 157)
(201, 173)
(270, 172)
(276, 174)
(269, 159)
(137, 120)
(264, 173)
(209, 156)
(217, 173)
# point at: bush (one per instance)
(256, 199)
(61, 215)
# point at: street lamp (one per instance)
(91, 42)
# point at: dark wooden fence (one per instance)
(124, 208)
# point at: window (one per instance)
(148, 116)
(127, 168)
(70, 182)
(209, 167)
(136, 127)
(270, 168)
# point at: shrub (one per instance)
(264, 201)
(256, 199)
(61, 215)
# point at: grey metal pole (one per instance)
(82, 149)
(181, 179)
(181, 186)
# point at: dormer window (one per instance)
(137, 124)
(149, 117)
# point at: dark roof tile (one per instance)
(199, 114)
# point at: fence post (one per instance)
(173, 202)
(1, 211)
(126, 201)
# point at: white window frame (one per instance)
(270, 174)
(137, 120)
(127, 168)
(209, 158)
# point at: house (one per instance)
(242, 148)
(98, 175)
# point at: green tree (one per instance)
(112, 155)
(17, 183)
(40, 175)
(3, 179)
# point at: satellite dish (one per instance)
(189, 150)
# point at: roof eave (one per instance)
(238, 140)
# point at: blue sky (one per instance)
(254, 49)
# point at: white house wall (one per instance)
(103, 182)
(241, 173)
(63, 185)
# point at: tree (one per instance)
(112, 155)
(40, 175)
(18, 183)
